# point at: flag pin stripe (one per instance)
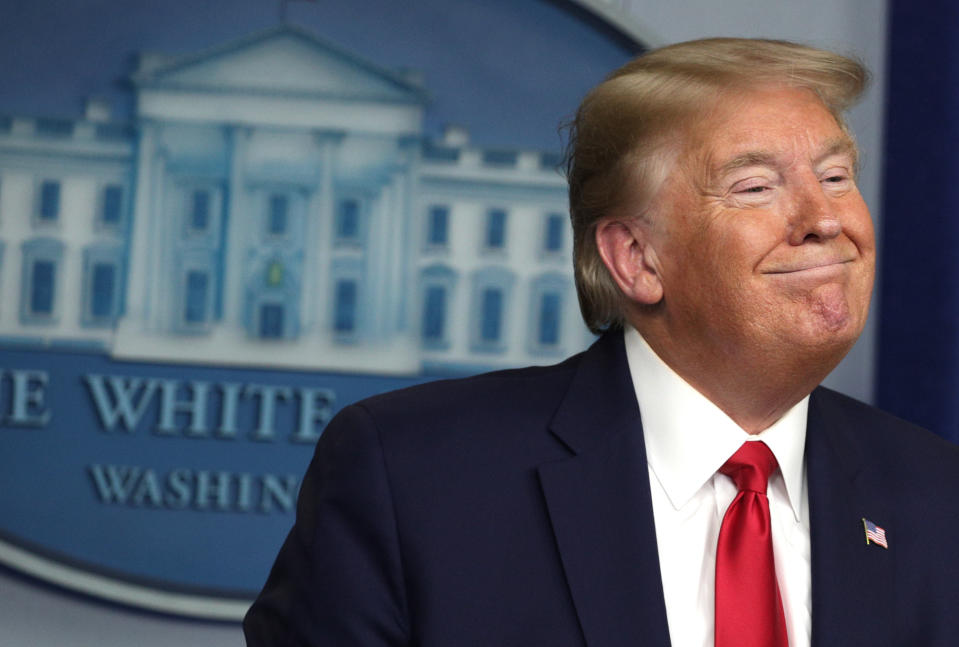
(874, 534)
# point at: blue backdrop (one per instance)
(188, 297)
(918, 367)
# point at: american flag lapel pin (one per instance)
(874, 534)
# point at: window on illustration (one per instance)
(438, 231)
(348, 220)
(271, 321)
(434, 313)
(345, 311)
(41, 287)
(554, 233)
(49, 200)
(279, 207)
(103, 289)
(496, 229)
(112, 204)
(549, 314)
(491, 311)
(200, 210)
(197, 288)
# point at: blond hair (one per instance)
(618, 143)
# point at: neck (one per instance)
(751, 387)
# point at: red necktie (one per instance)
(749, 610)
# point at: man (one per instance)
(723, 250)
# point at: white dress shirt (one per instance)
(688, 439)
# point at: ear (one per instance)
(628, 254)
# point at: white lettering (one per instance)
(215, 486)
(184, 407)
(283, 492)
(27, 407)
(178, 489)
(204, 490)
(148, 490)
(316, 409)
(126, 405)
(194, 407)
(268, 395)
(114, 483)
(231, 394)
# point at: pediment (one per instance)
(283, 61)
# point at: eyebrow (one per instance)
(836, 146)
(841, 146)
(752, 158)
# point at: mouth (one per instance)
(817, 267)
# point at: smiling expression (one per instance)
(763, 244)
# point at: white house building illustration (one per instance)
(275, 202)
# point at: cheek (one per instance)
(857, 223)
(859, 229)
(861, 293)
(737, 253)
(865, 239)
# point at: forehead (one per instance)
(769, 126)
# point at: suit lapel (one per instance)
(600, 508)
(601, 512)
(852, 582)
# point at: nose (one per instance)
(815, 216)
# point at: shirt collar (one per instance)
(688, 438)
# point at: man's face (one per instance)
(764, 244)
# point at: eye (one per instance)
(836, 177)
(752, 185)
(837, 184)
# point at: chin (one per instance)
(830, 319)
(826, 346)
(819, 339)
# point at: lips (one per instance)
(809, 266)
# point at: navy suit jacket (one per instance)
(513, 508)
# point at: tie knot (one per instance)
(750, 466)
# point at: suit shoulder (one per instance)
(508, 393)
(905, 444)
